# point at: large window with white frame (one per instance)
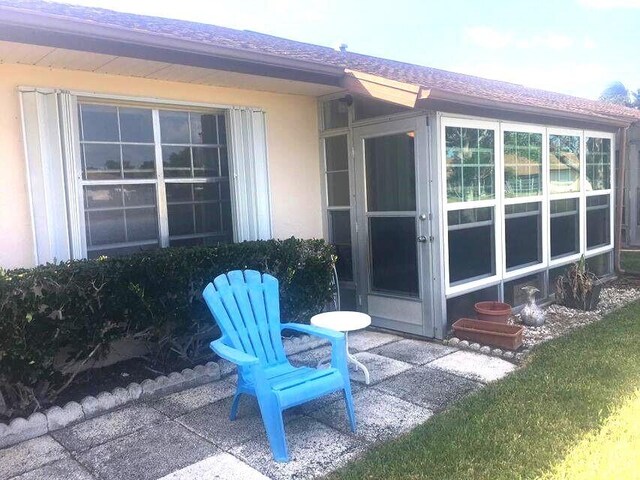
(153, 177)
(470, 159)
(520, 199)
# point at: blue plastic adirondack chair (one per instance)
(246, 306)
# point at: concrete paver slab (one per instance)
(362, 340)
(379, 416)
(147, 454)
(314, 449)
(475, 366)
(185, 401)
(379, 367)
(212, 422)
(65, 469)
(221, 466)
(430, 387)
(416, 352)
(29, 455)
(104, 428)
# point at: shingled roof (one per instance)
(271, 46)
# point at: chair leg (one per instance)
(274, 426)
(234, 406)
(348, 400)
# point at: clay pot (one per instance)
(492, 311)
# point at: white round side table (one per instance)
(344, 321)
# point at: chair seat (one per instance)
(301, 384)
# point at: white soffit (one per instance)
(19, 53)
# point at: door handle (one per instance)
(422, 239)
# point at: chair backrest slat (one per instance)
(246, 306)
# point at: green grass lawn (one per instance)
(630, 261)
(573, 412)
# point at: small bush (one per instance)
(82, 307)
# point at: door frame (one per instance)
(427, 270)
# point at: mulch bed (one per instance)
(560, 320)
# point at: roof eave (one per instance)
(55, 31)
(441, 95)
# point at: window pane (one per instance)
(340, 238)
(174, 127)
(598, 163)
(598, 221)
(136, 125)
(181, 221)
(564, 163)
(513, 293)
(179, 192)
(470, 164)
(522, 164)
(105, 226)
(139, 195)
(176, 161)
(208, 218)
(523, 234)
(139, 161)
(390, 166)
(205, 162)
(203, 128)
(335, 114)
(142, 224)
(600, 264)
(338, 189)
(99, 123)
(565, 227)
(462, 305)
(101, 161)
(471, 244)
(368, 108)
(102, 196)
(394, 255)
(336, 152)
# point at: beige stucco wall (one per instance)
(291, 134)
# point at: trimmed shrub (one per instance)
(82, 307)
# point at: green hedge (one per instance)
(81, 307)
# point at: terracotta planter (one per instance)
(501, 335)
(493, 311)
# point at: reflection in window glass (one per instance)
(470, 164)
(393, 258)
(565, 227)
(600, 264)
(337, 166)
(522, 164)
(335, 114)
(513, 293)
(598, 221)
(564, 163)
(523, 234)
(390, 167)
(471, 244)
(598, 163)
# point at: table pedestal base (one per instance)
(350, 359)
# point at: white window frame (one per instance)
(596, 193)
(544, 204)
(494, 203)
(159, 181)
(500, 201)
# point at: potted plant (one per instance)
(493, 311)
(577, 287)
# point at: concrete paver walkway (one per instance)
(188, 435)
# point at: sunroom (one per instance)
(437, 206)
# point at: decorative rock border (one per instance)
(56, 417)
(515, 357)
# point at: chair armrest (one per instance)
(233, 355)
(331, 335)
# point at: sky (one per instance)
(576, 47)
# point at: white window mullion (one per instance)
(161, 191)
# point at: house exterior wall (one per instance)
(292, 142)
